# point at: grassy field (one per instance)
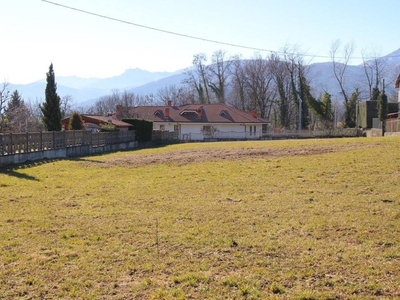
(309, 219)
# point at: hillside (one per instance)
(85, 91)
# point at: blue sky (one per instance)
(35, 33)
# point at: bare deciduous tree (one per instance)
(282, 84)
(259, 84)
(108, 104)
(4, 97)
(35, 115)
(66, 106)
(178, 95)
(340, 65)
(374, 69)
(220, 72)
(299, 86)
(238, 81)
(339, 71)
(197, 77)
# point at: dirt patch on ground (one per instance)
(184, 157)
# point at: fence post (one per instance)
(27, 142)
(11, 144)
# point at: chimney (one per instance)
(199, 112)
(118, 113)
(109, 118)
(166, 114)
(254, 113)
(169, 103)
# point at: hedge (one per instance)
(144, 128)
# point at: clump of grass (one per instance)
(191, 279)
(277, 288)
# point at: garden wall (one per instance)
(22, 147)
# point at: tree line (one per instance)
(17, 115)
(277, 85)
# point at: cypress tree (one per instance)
(382, 109)
(350, 113)
(51, 108)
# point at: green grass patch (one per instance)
(308, 219)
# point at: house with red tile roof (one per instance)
(93, 122)
(198, 122)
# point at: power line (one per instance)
(157, 29)
(186, 35)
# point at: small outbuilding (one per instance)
(93, 122)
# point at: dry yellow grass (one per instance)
(310, 219)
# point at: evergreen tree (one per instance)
(15, 101)
(375, 93)
(327, 105)
(382, 109)
(322, 109)
(76, 122)
(51, 107)
(17, 113)
(350, 113)
(304, 93)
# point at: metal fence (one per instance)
(16, 143)
(163, 135)
(273, 134)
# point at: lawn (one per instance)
(307, 219)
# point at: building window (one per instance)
(176, 127)
(207, 129)
(264, 128)
(162, 127)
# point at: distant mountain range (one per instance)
(86, 91)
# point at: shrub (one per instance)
(143, 128)
(76, 122)
(108, 128)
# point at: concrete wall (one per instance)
(194, 131)
(378, 132)
(392, 133)
(76, 151)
